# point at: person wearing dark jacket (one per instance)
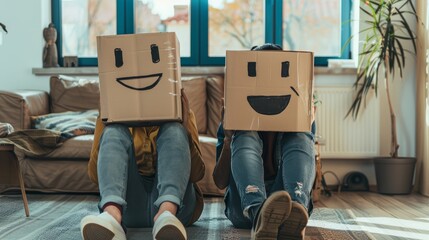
(269, 178)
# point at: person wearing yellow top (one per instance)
(147, 178)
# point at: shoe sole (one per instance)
(169, 232)
(93, 231)
(274, 212)
(293, 227)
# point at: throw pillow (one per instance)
(214, 103)
(5, 129)
(72, 94)
(195, 90)
(70, 124)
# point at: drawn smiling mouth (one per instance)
(269, 105)
(136, 82)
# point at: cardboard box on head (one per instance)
(140, 78)
(269, 91)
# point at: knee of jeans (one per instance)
(251, 134)
(243, 138)
(301, 140)
(299, 136)
(116, 131)
(173, 129)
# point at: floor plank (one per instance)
(384, 217)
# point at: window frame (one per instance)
(199, 23)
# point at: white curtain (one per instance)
(422, 143)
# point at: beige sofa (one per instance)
(65, 168)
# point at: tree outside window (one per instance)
(165, 16)
(235, 24)
(312, 25)
(82, 21)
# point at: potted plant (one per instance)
(383, 56)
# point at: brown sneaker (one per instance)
(273, 212)
(294, 226)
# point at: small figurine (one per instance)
(50, 55)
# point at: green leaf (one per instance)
(365, 11)
(407, 27)
(3, 27)
(399, 63)
(401, 49)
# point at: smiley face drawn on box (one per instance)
(140, 77)
(271, 104)
(268, 90)
(138, 82)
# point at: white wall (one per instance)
(22, 48)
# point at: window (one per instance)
(82, 21)
(231, 25)
(315, 25)
(159, 16)
(206, 28)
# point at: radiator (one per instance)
(342, 137)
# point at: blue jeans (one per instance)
(294, 153)
(140, 196)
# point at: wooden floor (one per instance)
(384, 216)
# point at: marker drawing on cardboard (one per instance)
(268, 105)
(132, 82)
(140, 78)
(269, 90)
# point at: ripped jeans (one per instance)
(294, 153)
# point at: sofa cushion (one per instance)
(215, 91)
(70, 124)
(78, 147)
(195, 90)
(72, 94)
(17, 107)
(5, 129)
(45, 175)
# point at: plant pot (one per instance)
(394, 175)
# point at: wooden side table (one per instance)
(7, 154)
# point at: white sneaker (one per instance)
(101, 227)
(167, 226)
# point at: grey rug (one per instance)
(57, 216)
